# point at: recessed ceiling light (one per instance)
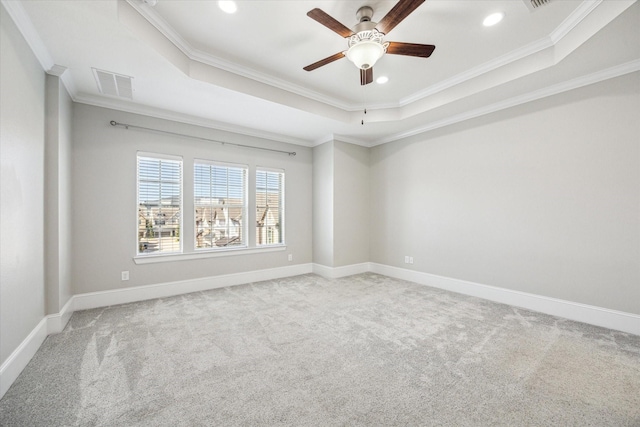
(382, 80)
(228, 6)
(493, 19)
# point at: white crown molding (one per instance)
(29, 32)
(130, 107)
(599, 76)
(324, 139)
(351, 140)
(57, 70)
(577, 16)
(341, 138)
(19, 15)
(27, 29)
(511, 102)
(60, 72)
(580, 13)
(208, 59)
(516, 55)
(23, 22)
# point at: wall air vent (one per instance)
(534, 4)
(113, 84)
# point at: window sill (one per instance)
(152, 259)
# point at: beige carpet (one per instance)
(365, 350)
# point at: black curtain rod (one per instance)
(127, 126)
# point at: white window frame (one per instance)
(282, 221)
(245, 207)
(167, 158)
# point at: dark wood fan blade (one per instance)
(410, 49)
(324, 61)
(366, 76)
(401, 10)
(329, 22)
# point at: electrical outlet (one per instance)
(125, 275)
(410, 260)
(290, 257)
(406, 259)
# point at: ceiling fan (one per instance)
(365, 40)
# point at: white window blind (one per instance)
(220, 201)
(159, 204)
(269, 207)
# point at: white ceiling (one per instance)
(243, 72)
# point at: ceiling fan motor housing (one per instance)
(364, 14)
(365, 23)
(366, 45)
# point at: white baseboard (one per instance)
(55, 323)
(21, 356)
(598, 316)
(18, 360)
(337, 272)
(163, 290)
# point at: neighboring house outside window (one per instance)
(159, 204)
(269, 207)
(220, 201)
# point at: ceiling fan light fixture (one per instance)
(365, 54)
(365, 48)
(365, 40)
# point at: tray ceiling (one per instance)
(190, 61)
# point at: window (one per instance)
(220, 201)
(159, 204)
(269, 207)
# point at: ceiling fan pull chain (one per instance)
(364, 102)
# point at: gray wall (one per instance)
(21, 188)
(65, 113)
(542, 198)
(105, 207)
(323, 204)
(351, 204)
(340, 204)
(57, 221)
